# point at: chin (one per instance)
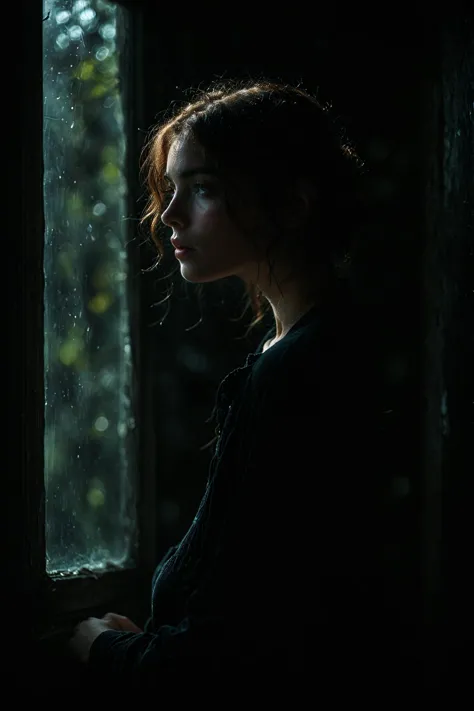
(196, 276)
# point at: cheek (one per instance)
(222, 235)
(212, 217)
(217, 225)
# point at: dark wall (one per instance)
(448, 342)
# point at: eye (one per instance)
(201, 189)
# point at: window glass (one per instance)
(88, 439)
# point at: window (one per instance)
(90, 516)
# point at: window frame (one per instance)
(59, 600)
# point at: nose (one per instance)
(173, 216)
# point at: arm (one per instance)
(293, 571)
(229, 622)
(169, 553)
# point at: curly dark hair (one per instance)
(279, 136)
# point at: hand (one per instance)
(87, 632)
(121, 623)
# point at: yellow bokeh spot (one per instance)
(100, 303)
(85, 70)
(96, 498)
(69, 351)
(98, 91)
(111, 172)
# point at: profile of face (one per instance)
(199, 217)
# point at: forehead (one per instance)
(184, 154)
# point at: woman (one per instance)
(280, 572)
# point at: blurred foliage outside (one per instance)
(88, 437)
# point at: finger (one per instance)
(114, 620)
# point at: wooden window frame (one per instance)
(58, 602)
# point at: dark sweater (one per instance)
(281, 571)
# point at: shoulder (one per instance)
(290, 365)
(332, 352)
(300, 346)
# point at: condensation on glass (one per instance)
(89, 424)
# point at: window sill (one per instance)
(64, 602)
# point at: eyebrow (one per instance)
(198, 170)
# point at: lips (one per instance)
(177, 244)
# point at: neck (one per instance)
(293, 300)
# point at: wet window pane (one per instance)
(89, 463)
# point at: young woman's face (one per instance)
(199, 218)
